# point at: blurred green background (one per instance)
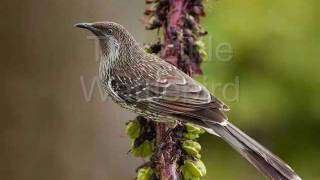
(49, 131)
(276, 51)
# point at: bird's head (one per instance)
(110, 34)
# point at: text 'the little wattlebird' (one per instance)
(149, 86)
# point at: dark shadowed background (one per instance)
(48, 129)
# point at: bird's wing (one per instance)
(161, 88)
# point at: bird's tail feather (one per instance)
(266, 162)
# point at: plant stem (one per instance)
(166, 166)
(182, 47)
(171, 53)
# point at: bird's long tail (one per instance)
(266, 162)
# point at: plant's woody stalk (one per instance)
(170, 52)
(173, 150)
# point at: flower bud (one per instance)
(144, 150)
(193, 128)
(144, 173)
(203, 54)
(193, 169)
(192, 148)
(133, 129)
(200, 44)
(190, 136)
(153, 23)
(193, 131)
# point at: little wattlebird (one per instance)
(149, 86)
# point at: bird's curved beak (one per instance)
(90, 27)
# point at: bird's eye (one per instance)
(109, 31)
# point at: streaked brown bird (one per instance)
(149, 86)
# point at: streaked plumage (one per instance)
(151, 87)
